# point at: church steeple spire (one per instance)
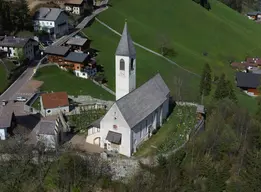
(126, 47)
(125, 65)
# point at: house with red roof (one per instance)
(53, 103)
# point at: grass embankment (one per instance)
(106, 42)
(198, 36)
(56, 79)
(37, 104)
(172, 134)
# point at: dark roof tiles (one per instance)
(76, 57)
(141, 102)
(248, 80)
(126, 47)
(57, 50)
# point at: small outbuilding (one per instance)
(7, 124)
(78, 44)
(53, 103)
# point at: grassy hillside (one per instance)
(56, 79)
(191, 30)
(148, 64)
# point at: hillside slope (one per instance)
(190, 29)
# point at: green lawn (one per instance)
(172, 134)
(190, 30)
(148, 64)
(57, 80)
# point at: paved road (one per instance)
(86, 20)
(10, 93)
(80, 26)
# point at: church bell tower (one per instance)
(125, 69)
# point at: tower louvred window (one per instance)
(122, 65)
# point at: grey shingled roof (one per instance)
(10, 41)
(57, 50)
(125, 47)
(5, 118)
(46, 127)
(248, 80)
(76, 57)
(47, 14)
(76, 41)
(141, 102)
(114, 137)
(254, 13)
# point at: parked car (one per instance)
(20, 99)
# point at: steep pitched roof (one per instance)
(57, 50)
(125, 47)
(141, 102)
(76, 57)
(54, 100)
(46, 127)
(248, 80)
(47, 14)
(10, 41)
(76, 41)
(5, 118)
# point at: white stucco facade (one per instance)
(77, 10)
(131, 137)
(125, 75)
(94, 135)
(53, 111)
(114, 121)
(57, 28)
(28, 50)
(3, 133)
(85, 73)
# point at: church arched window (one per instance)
(122, 65)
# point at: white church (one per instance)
(136, 112)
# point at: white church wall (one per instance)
(114, 117)
(142, 131)
(125, 79)
(165, 108)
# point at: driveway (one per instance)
(79, 142)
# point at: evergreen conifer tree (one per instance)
(221, 90)
(205, 83)
(231, 91)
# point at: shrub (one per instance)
(154, 131)
(162, 161)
